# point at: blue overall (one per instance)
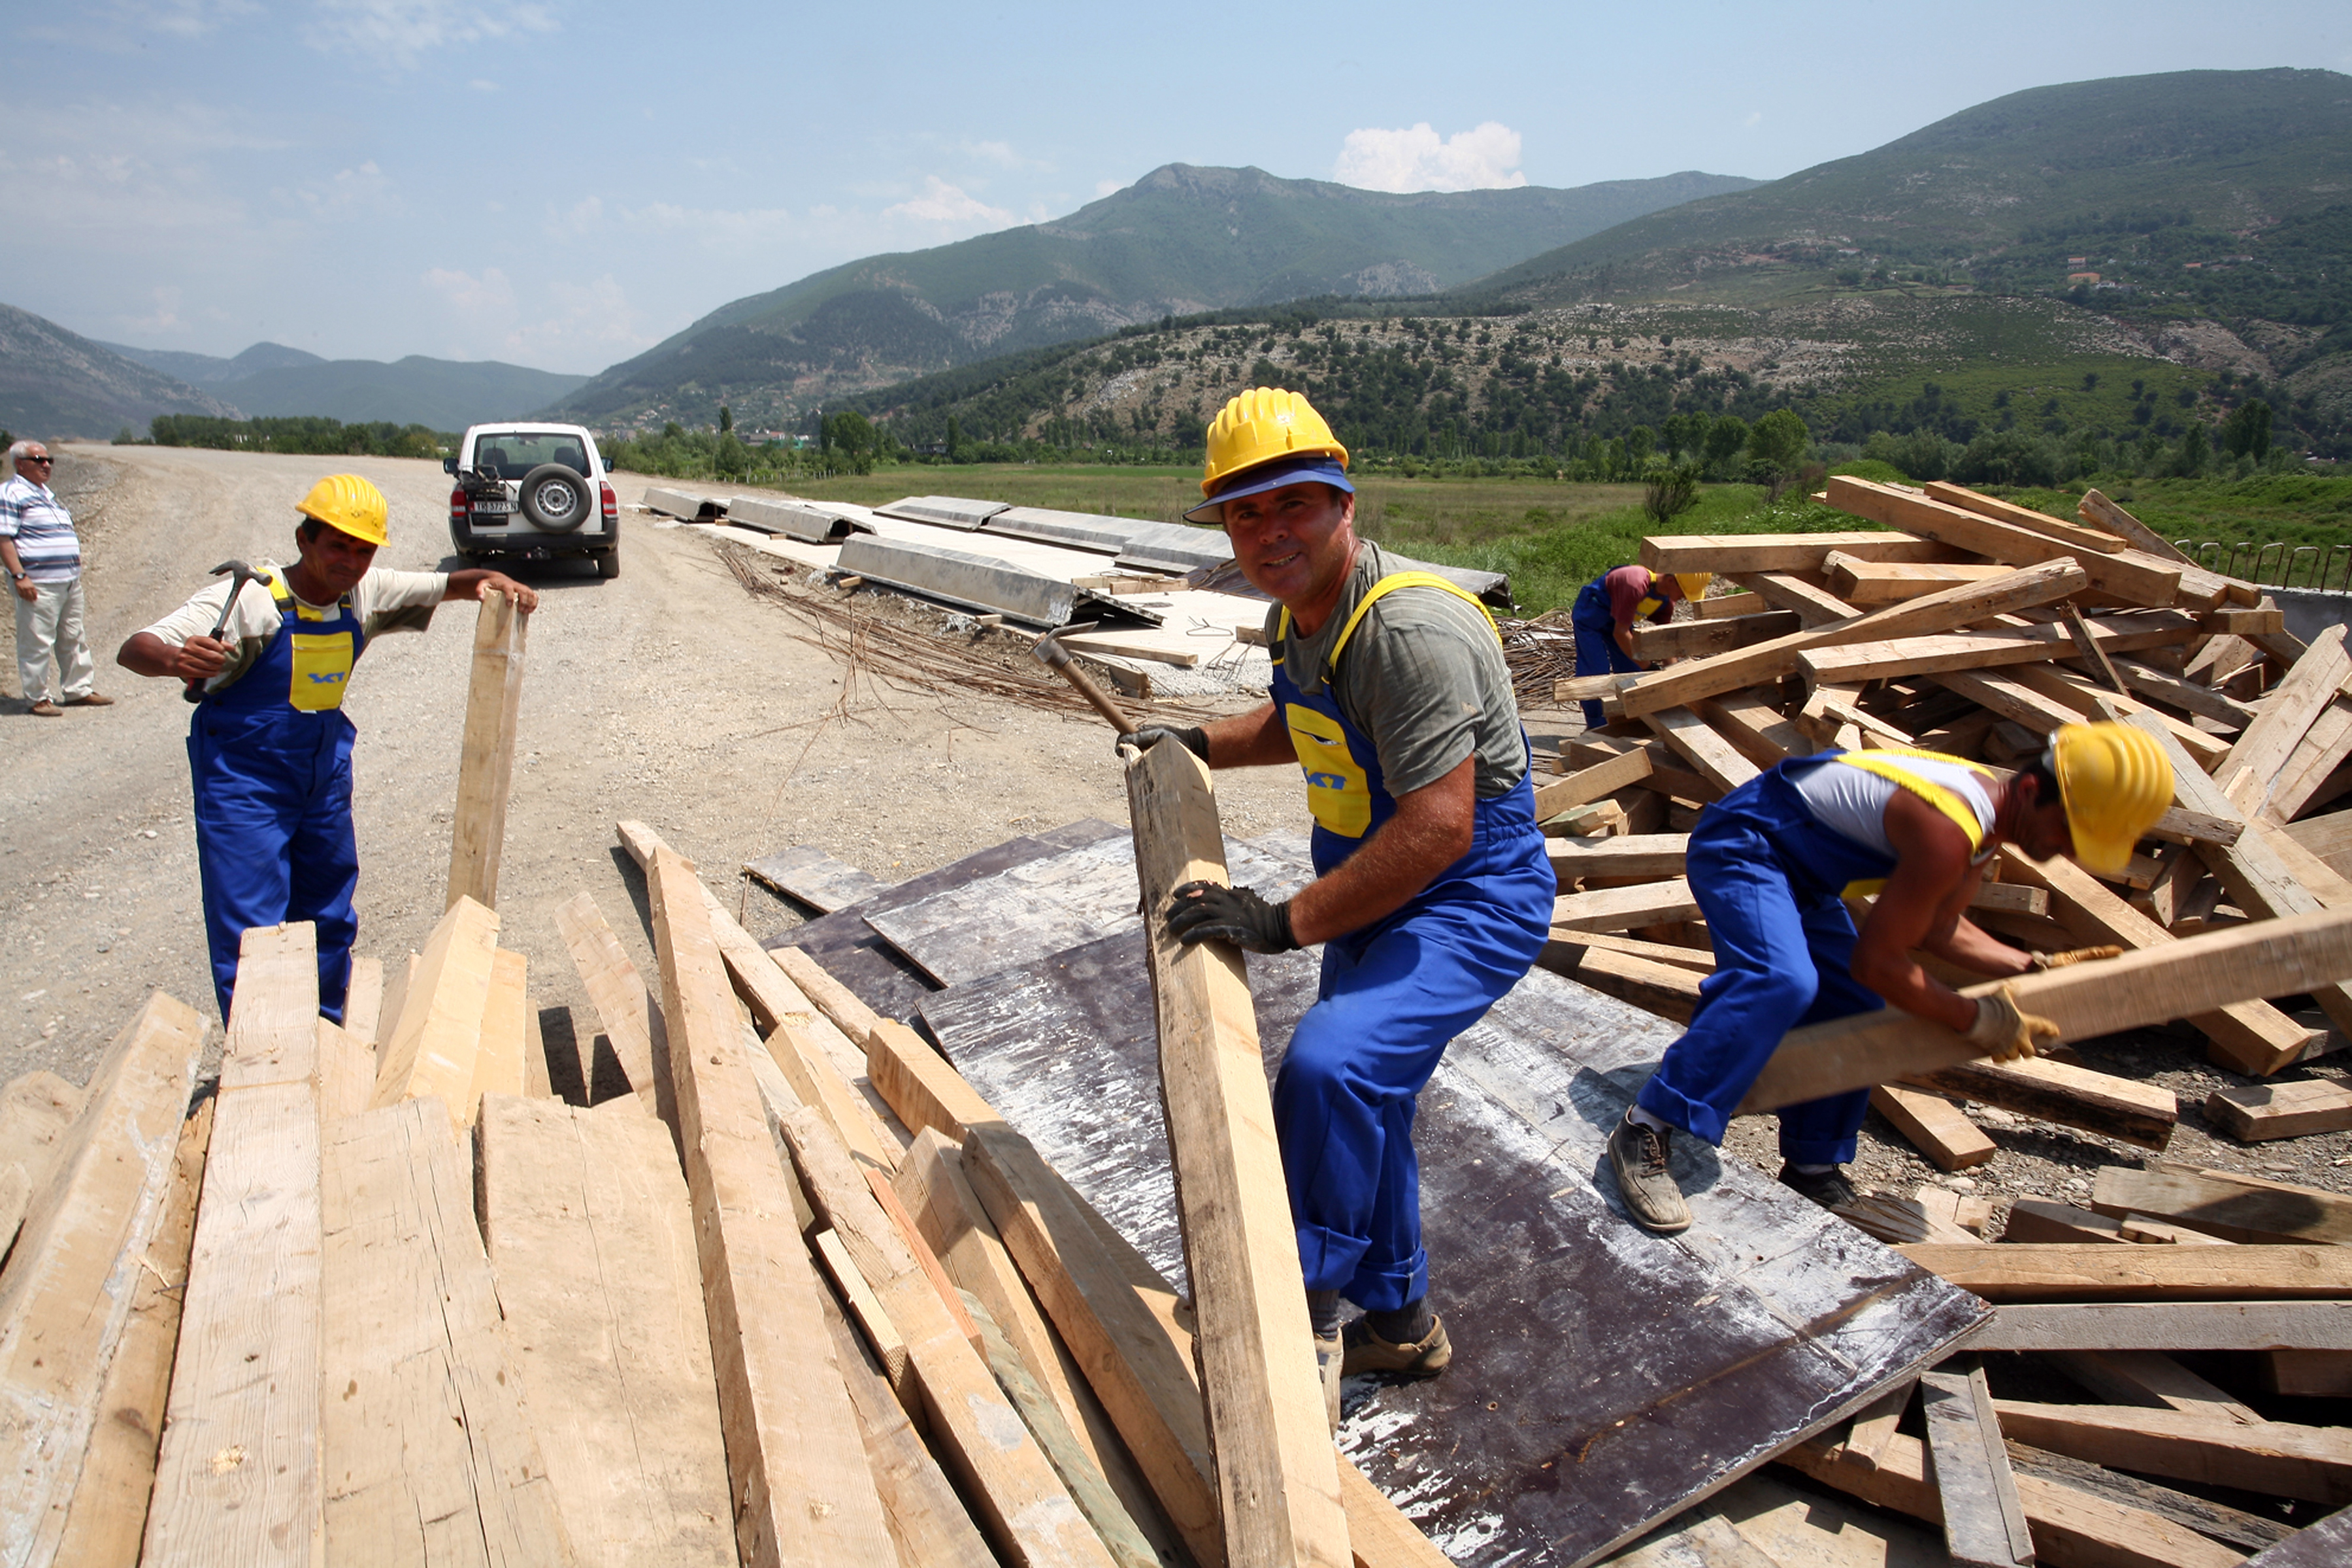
(1768, 877)
(1393, 996)
(1597, 652)
(271, 757)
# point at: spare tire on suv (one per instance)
(555, 498)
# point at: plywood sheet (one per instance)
(809, 875)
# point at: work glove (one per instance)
(2076, 955)
(1196, 741)
(1212, 912)
(2003, 1030)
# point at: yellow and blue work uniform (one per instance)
(1393, 996)
(1595, 624)
(1770, 877)
(271, 757)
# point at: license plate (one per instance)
(493, 507)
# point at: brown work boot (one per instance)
(1641, 1157)
(89, 699)
(1368, 1352)
(45, 708)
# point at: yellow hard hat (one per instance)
(349, 505)
(2115, 782)
(1693, 583)
(1265, 424)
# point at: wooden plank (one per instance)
(2169, 1326)
(2124, 1109)
(2067, 533)
(1725, 604)
(2289, 710)
(1023, 1506)
(364, 1000)
(396, 982)
(1812, 604)
(2036, 1271)
(2308, 1373)
(1699, 638)
(1725, 554)
(2227, 1203)
(1630, 854)
(1866, 583)
(2165, 1233)
(35, 1109)
(1277, 1484)
(591, 1238)
(2329, 837)
(2129, 574)
(2037, 1219)
(873, 1320)
(2216, 1521)
(1666, 774)
(346, 1074)
(2159, 685)
(108, 1515)
(431, 1050)
(1850, 663)
(1755, 726)
(2262, 1111)
(425, 1442)
(1623, 908)
(2151, 1378)
(2326, 1544)
(1669, 990)
(829, 996)
(66, 1295)
(1603, 778)
(1874, 1424)
(1935, 1126)
(2316, 765)
(2100, 512)
(1715, 759)
(499, 1065)
(2245, 620)
(2197, 975)
(2070, 1529)
(922, 1088)
(535, 1081)
(801, 1492)
(2313, 1463)
(623, 1004)
(2082, 699)
(485, 760)
(808, 874)
(1984, 1520)
(237, 1478)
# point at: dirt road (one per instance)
(667, 694)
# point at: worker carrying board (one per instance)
(1608, 607)
(1770, 866)
(269, 655)
(1432, 892)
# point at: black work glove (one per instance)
(1212, 912)
(1196, 741)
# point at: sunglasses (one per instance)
(36, 460)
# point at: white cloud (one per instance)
(1418, 160)
(403, 32)
(165, 317)
(1108, 187)
(490, 291)
(941, 203)
(364, 192)
(185, 18)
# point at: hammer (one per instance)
(194, 690)
(1057, 658)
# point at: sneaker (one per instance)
(1329, 1357)
(89, 699)
(1368, 1352)
(1639, 1157)
(1829, 1188)
(45, 708)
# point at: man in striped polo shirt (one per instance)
(43, 558)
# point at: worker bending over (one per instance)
(1431, 891)
(269, 748)
(1605, 614)
(1770, 865)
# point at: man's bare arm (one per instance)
(200, 658)
(1432, 829)
(1931, 884)
(1258, 738)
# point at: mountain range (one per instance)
(271, 379)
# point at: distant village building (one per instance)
(2076, 260)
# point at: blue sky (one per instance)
(562, 183)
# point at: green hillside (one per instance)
(1180, 241)
(55, 383)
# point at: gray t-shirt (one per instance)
(1423, 676)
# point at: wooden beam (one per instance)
(1668, 990)
(2103, 513)
(1629, 854)
(1699, 638)
(486, 762)
(1851, 662)
(2217, 1521)
(2035, 1271)
(238, 1480)
(1755, 726)
(624, 1006)
(1866, 582)
(2169, 1326)
(2262, 1111)
(2151, 1378)
(829, 996)
(423, 1435)
(1712, 757)
(2037, 1219)
(802, 1490)
(1810, 603)
(499, 1065)
(2289, 711)
(2084, 701)
(2326, 1544)
(2157, 685)
(108, 1516)
(66, 1295)
(1935, 1126)
(1277, 1483)
(1666, 774)
(2198, 975)
(346, 1074)
(1623, 908)
(364, 1000)
(919, 1085)
(591, 1238)
(1725, 554)
(2313, 1463)
(2066, 532)
(1984, 1520)
(2313, 761)
(2227, 1203)
(1603, 778)
(431, 1050)
(35, 1109)
(2124, 1109)
(2129, 574)
(2306, 1374)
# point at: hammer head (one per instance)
(237, 567)
(1053, 654)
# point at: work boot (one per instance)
(1829, 1188)
(89, 699)
(45, 708)
(1639, 1157)
(1330, 1356)
(1368, 1352)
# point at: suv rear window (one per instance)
(513, 453)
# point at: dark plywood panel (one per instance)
(1603, 1378)
(808, 875)
(2327, 1544)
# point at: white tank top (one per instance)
(1852, 800)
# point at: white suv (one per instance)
(535, 491)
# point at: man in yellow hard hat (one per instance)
(1610, 606)
(268, 747)
(1431, 895)
(1771, 865)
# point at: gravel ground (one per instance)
(670, 695)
